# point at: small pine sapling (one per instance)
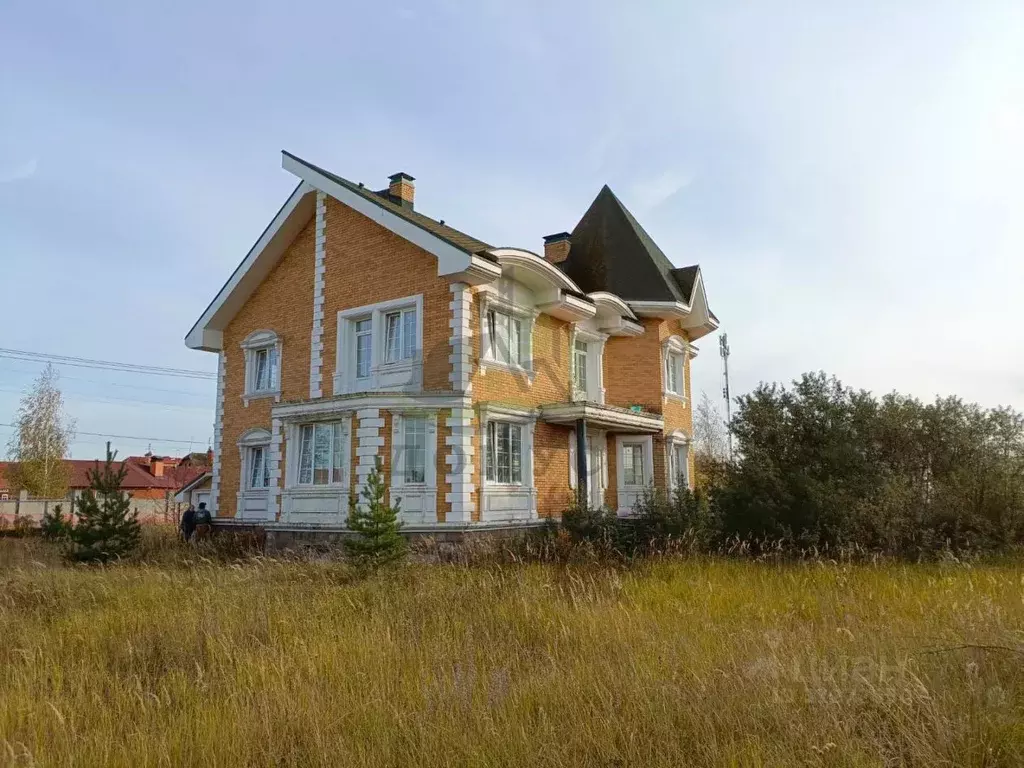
(107, 529)
(378, 539)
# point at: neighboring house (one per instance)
(492, 384)
(196, 491)
(150, 481)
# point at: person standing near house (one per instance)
(188, 522)
(203, 522)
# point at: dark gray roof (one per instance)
(612, 252)
(452, 236)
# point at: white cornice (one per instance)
(388, 401)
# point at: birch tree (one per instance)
(41, 441)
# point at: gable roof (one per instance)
(612, 252)
(137, 477)
(458, 255)
(450, 235)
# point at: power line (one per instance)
(104, 365)
(124, 437)
(116, 400)
(112, 383)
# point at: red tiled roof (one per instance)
(137, 477)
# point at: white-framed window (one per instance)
(414, 445)
(504, 453)
(674, 352)
(579, 366)
(380, 347)
(323, 454)
(506, 334)
(262, 351)
(363, 330)
(634, 467)
(400, 335)
(678, 464)
(505, 338)
(257, 472)
(633, 464)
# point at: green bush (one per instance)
(54, 526)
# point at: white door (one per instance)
(203, 497)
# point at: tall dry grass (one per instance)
(701, 662)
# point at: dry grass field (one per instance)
(697, 662)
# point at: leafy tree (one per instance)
(710, 443)
(106, 528)
(41, 440)
(54, 525)
(377, 538)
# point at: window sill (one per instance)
(315, 490)
(507, 486)
(519, 370)
(274, 393)
(676, 397)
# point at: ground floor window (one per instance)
(322, 453)
(504, 452)
(679, 464)
(257, 468)
(415, 449)
(633, 464)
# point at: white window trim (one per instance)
(508, 501)
(293, 440)
(527, 317)
(257, 437)
(253, 343)
(595, 363)
(632, 491)
(400, 376)
(673, 440)
(674, 345)
(316, 504)
(422, 496)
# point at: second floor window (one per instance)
(399, 336)
(505, 334)
(633, 464)
(322, 454)
(364, 347)
(674, 373)
(580, 367)
(265, 370)
(258, 469)
(504, 453)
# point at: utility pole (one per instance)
(723, 348)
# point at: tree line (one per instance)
(822, 465)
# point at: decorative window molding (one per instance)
(674, 351)
(633, 484)
(507, 489)
(587, 350)
(380, 347)
(506, 335)
(262, 351)
(677, 459)
(414, 465)
(316, 356)
(318, 471)
(255, 479)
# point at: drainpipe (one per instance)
(582, 497)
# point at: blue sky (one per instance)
(850, 176)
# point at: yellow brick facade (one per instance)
(366, 264)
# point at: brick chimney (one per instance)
(156, 466)
(402, 189)
(556, 247)
(209, 457)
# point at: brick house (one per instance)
(492, 384)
